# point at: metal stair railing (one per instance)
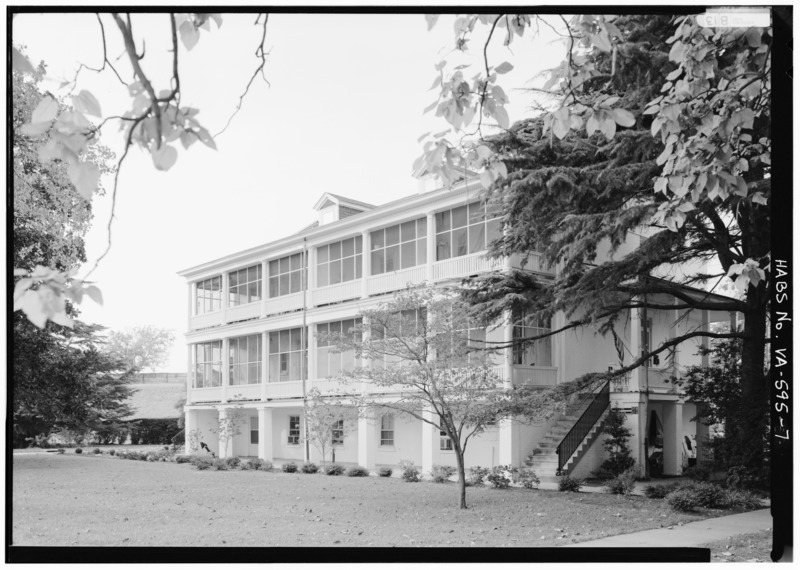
(582, 427)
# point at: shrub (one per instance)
(334, 469)
(501, 476)
(698, 472)
(477, 475)
(183, 459)
(682, 500)
(78, 450)
(152, 431)
(569, 484)
(358, 472)
(527, 477)
(410, 472)
(265, 465)
(740, 477)
(96, 451)
(309, 468)
(442, 473)
(385, 472)
(253, 464)
(218, 464)
(60, 450)
(622, 484)
(202, 462)
(289, 467)
(739, 499)
(660, 491)
(112, 452)
(151, 456)
(708, 495)
(232, 462)
(616, 445)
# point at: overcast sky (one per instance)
(342, 113)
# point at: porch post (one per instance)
(508, 352)
(225, 443)
(265, 434)
(508, 439)
(427, 440)
(637, 381)
(367, 441)
(673, 438)
(189, 425)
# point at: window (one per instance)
(244, 286)
(288, 358)
(398, 247)
(329, 363)
(337, 433)
(208, 296)
(254, 430)
(294, 430)
(533, 353)
(387, 429)
(208, 364)
(244, 360)
(286, 275)
(466, 229)
(339, 262)
(445, 443)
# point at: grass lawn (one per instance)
(753, 547)
(85, 500)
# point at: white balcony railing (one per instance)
(284, 303)
(243, 392)
(284, 389)
(396, 280)
(207, 320)
(464, 266)
(533, 263)
(242, 312)
(199, 395)
(338, 292)
(535, 375)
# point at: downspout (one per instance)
(304, 352)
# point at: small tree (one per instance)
(141, 347)
(327, 419)
(229, 426)
(616, 445)
(422, 349)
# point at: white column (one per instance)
(190, 375)
(367, 441)
(431, 246)
(225, 445)
(365, 263)
(673, 436)
(189, 424)
(674, 332)
(265, 434)
(559, 350)
(732, 320)
(191, 305)
(225, 297)
(508, 439)
(226, 380)
(637, 383)
(264, 365)
(428, 434)
(508, 352)
(312, 354)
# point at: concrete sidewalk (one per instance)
(691, 534)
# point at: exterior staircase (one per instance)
(544, 458)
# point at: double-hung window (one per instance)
(339, 262)
(466, 229)
(294, 430)
(387, 430)
(398, 247)
(244, 286)
(337, 433)
(208, 295)
(445, 443)
(286, 275)
(253, 430)
(288, 358)
(208, 364)
(536, 352)
(330, 362)
(245, 359)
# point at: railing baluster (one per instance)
(582, 427)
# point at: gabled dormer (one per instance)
(332, 208)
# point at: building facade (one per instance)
(254, 351)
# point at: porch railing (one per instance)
(582, 427)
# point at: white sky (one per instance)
(342, 113)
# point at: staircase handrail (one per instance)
(583, 426)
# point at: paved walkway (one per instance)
(688, 535)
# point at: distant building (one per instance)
(255, 315)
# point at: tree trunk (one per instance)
(754, 382)
(462, 485)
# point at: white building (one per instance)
(252, 343)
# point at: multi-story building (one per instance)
(253, 345)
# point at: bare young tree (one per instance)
(329, 420)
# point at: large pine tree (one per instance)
(566, 197)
